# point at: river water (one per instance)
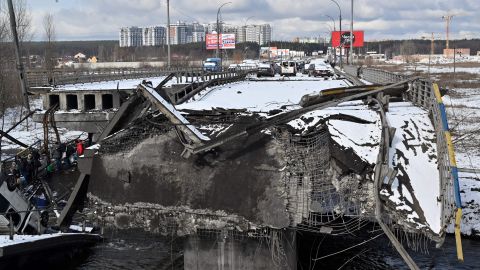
(139, 250)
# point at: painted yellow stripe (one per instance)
(436, 90)
(458, 236)
(451, 151)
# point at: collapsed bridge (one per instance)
(279, 154)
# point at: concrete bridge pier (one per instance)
(228, 252)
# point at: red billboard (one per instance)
(343, 39)
(227, 41)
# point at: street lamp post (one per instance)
(351, 37)
(219, 32)
(333, 20)
(168, 34)
(340, 22)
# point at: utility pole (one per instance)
(21, 71)
(351, 37)
(168, 33)
(448, 18)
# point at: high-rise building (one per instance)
(198, 32)
(154, 36)
(130, 36)
(178, 33)
(265, 34)
(261, 34)
(181, 33)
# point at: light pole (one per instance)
(340, 22)
(351, 36)
(333, 21)
(168, 33)
(219, 32)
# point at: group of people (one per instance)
(26, 169)
(64, 155)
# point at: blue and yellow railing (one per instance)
(454, 171)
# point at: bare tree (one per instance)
(49, 28)
(407, 49)
(9, 86)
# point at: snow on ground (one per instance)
(278, 77)
(33, 132)
(257, 96)
(124, 84)
(470, 194)
(463, 109)
(444, 69)
(413, 153)
(440, 59)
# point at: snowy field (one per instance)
(463, 108)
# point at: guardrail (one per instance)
(59, 77)
(202, 81)
(425, 94)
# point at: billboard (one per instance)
(343, 39)
(268, 52)
(227, 41)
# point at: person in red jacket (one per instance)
(80, 148)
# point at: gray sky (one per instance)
(380, 19)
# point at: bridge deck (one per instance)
(415, 192)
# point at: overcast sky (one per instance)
(380, 19)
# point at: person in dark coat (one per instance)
(57, 156)
(26, 169)
(69, 151)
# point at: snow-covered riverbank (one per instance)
(463, 108)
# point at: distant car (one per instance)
(320, 69)
(266, 69)
(212, 65)
(288, 68)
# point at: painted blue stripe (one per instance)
(456, 187)
(443, 113)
